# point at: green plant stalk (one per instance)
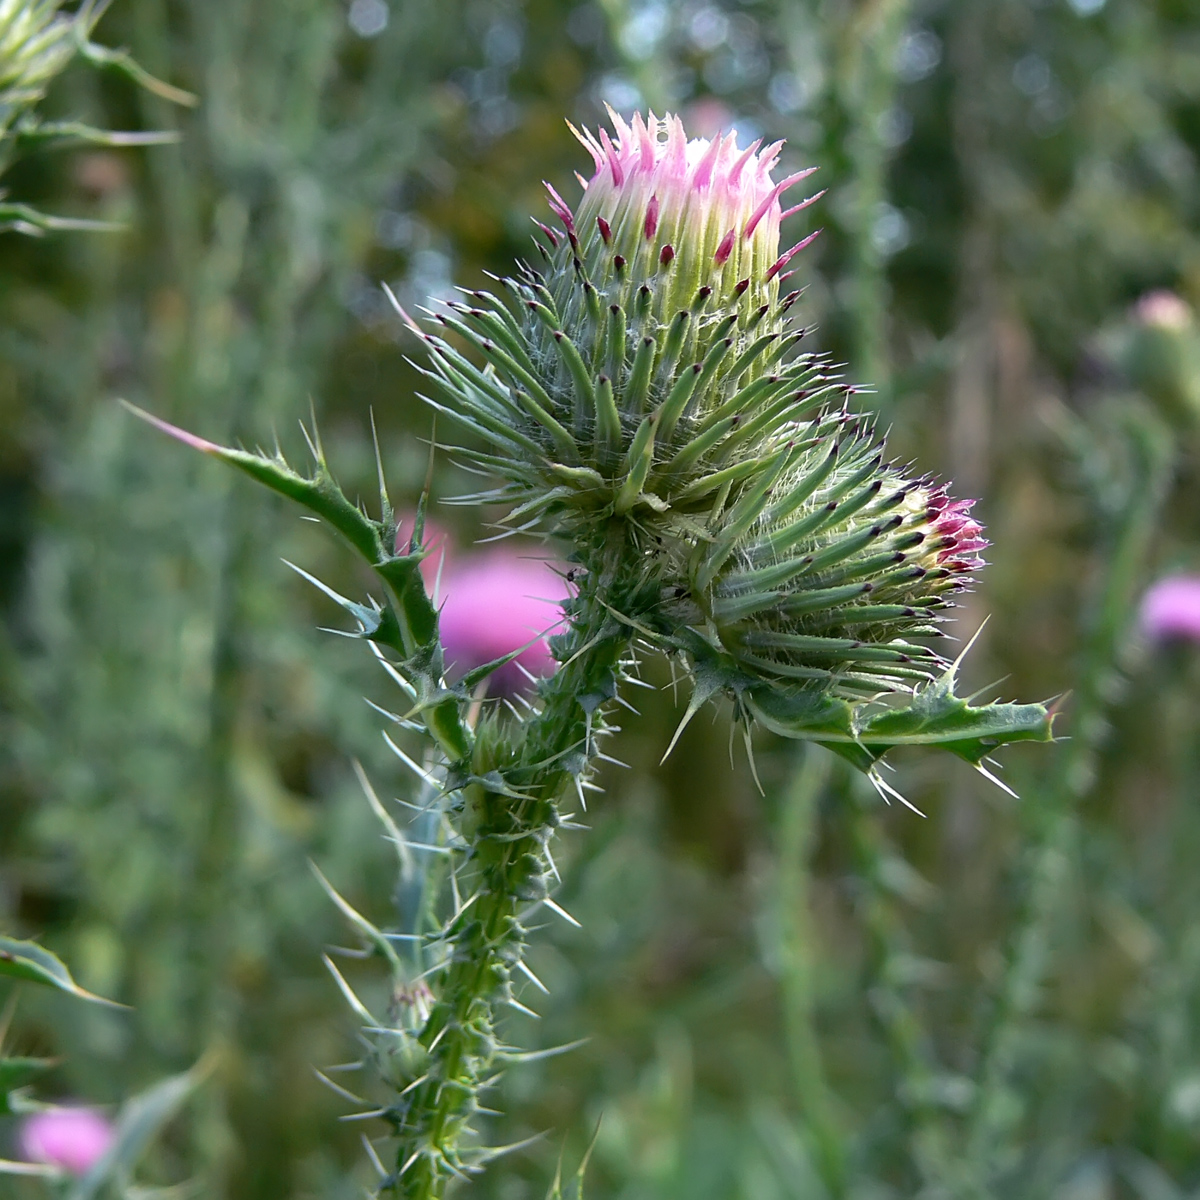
(996, 1113)
(796, 833)
(906, 1038)
(507, 839)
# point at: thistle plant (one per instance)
(37, 42)
(644, 400)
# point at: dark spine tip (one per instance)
(558, 335)
(605, 229)
(740, 288)
(615, 309)
(704, 292)
(604, 379)
(666, 254)
(697, 368)
(868, 587)
(644, 291)
(619, 262)
(647, 341)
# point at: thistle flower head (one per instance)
(650, 350)
(822, 574)
(645, 395)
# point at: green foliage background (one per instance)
(796, 995)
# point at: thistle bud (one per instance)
(826, 575)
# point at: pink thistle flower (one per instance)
(71, 1137)
(1171, 608)
(957, 535)
(494, 602)
(707, 197)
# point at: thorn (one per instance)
(403, 315)
(746, 738)
(366, 1141)
(562, 912)
(345, 1093)
(385, 819)
(997, 781)
(420, 771)
(351, 999)
(522, 1009)
(885, 790)
(523, 967)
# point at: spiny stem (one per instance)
(507, 860)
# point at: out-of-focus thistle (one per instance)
(37, 42)
(644, 401)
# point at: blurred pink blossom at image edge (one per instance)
(71, 1137)
(1171, 608)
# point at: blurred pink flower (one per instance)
(1163, 309)
(1171, 608)
(73, 1138)
(493, 602)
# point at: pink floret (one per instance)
(72, 1138)
(1171, 608)
(951, 519)
(494, 602)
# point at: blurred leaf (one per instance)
(140, 1119)
(16, 1073)
(29, 961)
(45, 1170)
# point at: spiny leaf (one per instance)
(318, 494)
(934, 717)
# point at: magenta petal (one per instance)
(1171, 608)
(72, 1138)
